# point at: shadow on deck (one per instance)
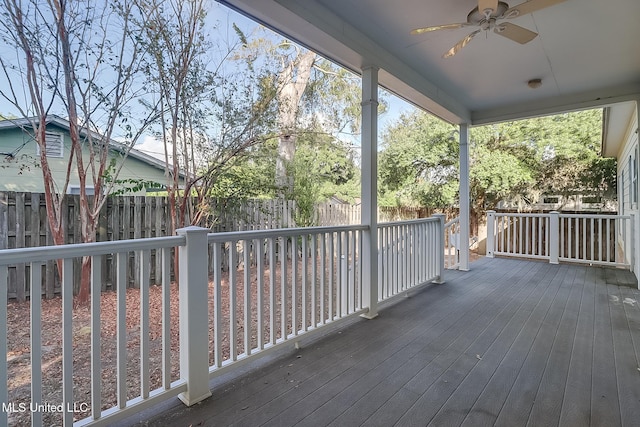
(508, 343)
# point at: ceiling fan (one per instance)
(487, 15)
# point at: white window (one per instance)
(54, 143)
(75, 189)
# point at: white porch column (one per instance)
(369, 189)
(464, 197)
(635, 262)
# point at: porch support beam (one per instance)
(464, 197)
(369, 189)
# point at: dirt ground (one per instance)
(19, 357)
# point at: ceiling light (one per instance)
(534, 83)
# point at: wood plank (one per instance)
(518, 405)
(576, 404)
(548, 401)
(605, 409)
(626, 360)
(437, 382)
(454, 411)
(490, 402)
(388, 411)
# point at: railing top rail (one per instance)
(522, 215)
(596, 216)
(408, 222)
(280, 232)
(76, 250)
(562, 215)
(453, 221)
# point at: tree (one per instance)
(82, 59)
(513, 161)
(419, 161)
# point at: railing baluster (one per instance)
(314, 277)
(520, 236)
(272, 290)
(217, 305)
(67, 338)
(608, 237)
(323, 275)
(259, 244)
(233, 303)
(283, 287)
(165, 269)
(303, 282)
(331, 273)
(294, 285)
(584, 238)
(591, 239)
(600, 242)
(145, 262)
(246, 251)
(96, 370)
(121, 333)
(35, 296)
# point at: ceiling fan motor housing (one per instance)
(476, 16)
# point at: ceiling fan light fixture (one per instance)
(534, 83)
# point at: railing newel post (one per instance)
(491, 233)
(440, 248)
(554, 237)
(194, 314)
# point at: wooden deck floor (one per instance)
(509, 343)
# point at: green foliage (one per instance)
(418, 165)
(514, 161)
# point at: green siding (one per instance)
(23, 172)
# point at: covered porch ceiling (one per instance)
(587, 53)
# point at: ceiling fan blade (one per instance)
(515, 32)
(462, 43)
(439, 27)
(530, 7)
(491, 5)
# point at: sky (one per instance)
(221, 20)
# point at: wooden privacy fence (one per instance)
(23, 224)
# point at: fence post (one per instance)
(554, 237)
(194, 315)
(491, 233)
(440, 248)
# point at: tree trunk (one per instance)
(292, 82)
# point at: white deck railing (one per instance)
(582, 238)
(452, 244)
(401, 261)
(267, 288)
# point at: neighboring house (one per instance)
(20, 159)
(620, 140)
(574, 203)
